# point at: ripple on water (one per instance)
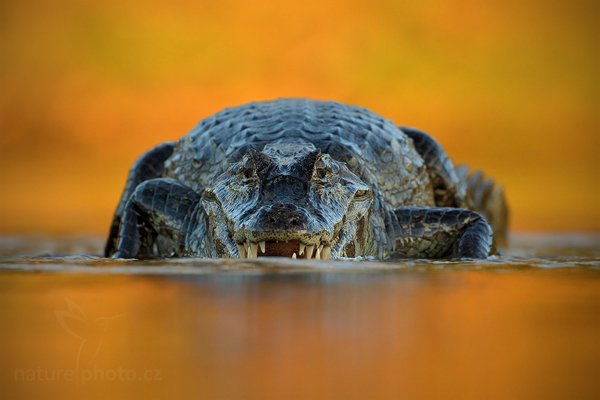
(79, 254)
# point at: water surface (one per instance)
(519, 326)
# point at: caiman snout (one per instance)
(283, 230)
(282, 217)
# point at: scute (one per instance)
(372, 147)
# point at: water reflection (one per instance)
(500, 329)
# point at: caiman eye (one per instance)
(325, 168)
(360, 194)
(247, 168)
(209, 195)
(321, 173)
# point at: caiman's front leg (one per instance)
(155, 219)
(441, 233)
(148, 166)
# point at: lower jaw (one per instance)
(291, 249)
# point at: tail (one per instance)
(486, 198)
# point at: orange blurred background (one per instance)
(506, 86)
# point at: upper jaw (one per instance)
(271, 232)
(299, 244)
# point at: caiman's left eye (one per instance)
(210, 195)
(325, 168)
(361, 194)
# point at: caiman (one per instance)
(305, 179)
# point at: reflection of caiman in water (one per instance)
(304, 179)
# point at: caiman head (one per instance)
(288, 200)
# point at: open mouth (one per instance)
(291, 249)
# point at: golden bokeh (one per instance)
(506, 86)
(453, 334)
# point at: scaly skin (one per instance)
(300, 178)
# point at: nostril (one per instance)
(283, 216)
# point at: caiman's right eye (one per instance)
(321, 173)
(247, 168)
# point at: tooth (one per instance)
(318, 255)
(294, 255)
(326, 253)
(253, 250)
(242, 250)
(309, 252)
(301, 250)
(262, 246)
